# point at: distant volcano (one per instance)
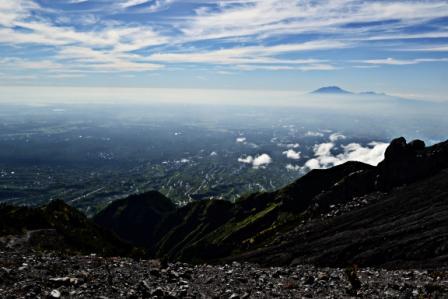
(331, 90)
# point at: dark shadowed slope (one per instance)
(405, 228)
(194, 233)
(136, 217)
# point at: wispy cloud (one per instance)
(393, 61)
(242, 35)
(130, 3)
(256, 57)
(434, 48)
(269, 17)
(148, 6)
(14, 63)
(306, 67)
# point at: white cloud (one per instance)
(11, 11)
(20, 78)
(158, 5)
(293, 145)
(270, 17)
(65, 76)
(29, 64)
(292, 154)
(304, 68)
(245, 25)
(441, 33)
(314, 134)
(255, 57)
(372, 154)
(241, 139)
(87, 58)
(313, 164)
(336, 136)
(130, 3)
(435, 48)
(103, 48)
(323, 149)
(153, 7)
(259, 161)
(393, 61)
(291, 167)
(246, 160)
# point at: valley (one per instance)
(91, 157)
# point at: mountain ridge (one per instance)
(335, 90)
(59, 227)
(135, 218)
(313, 220)
(373, 98)
(215, 230)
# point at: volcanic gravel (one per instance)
(29, 274)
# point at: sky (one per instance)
(397, 47)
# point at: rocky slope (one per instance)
(402, 229)
(25, 274)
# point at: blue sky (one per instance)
(398, 47)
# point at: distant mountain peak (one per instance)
(331, 90)
(338, 90)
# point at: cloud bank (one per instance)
(372, 154)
